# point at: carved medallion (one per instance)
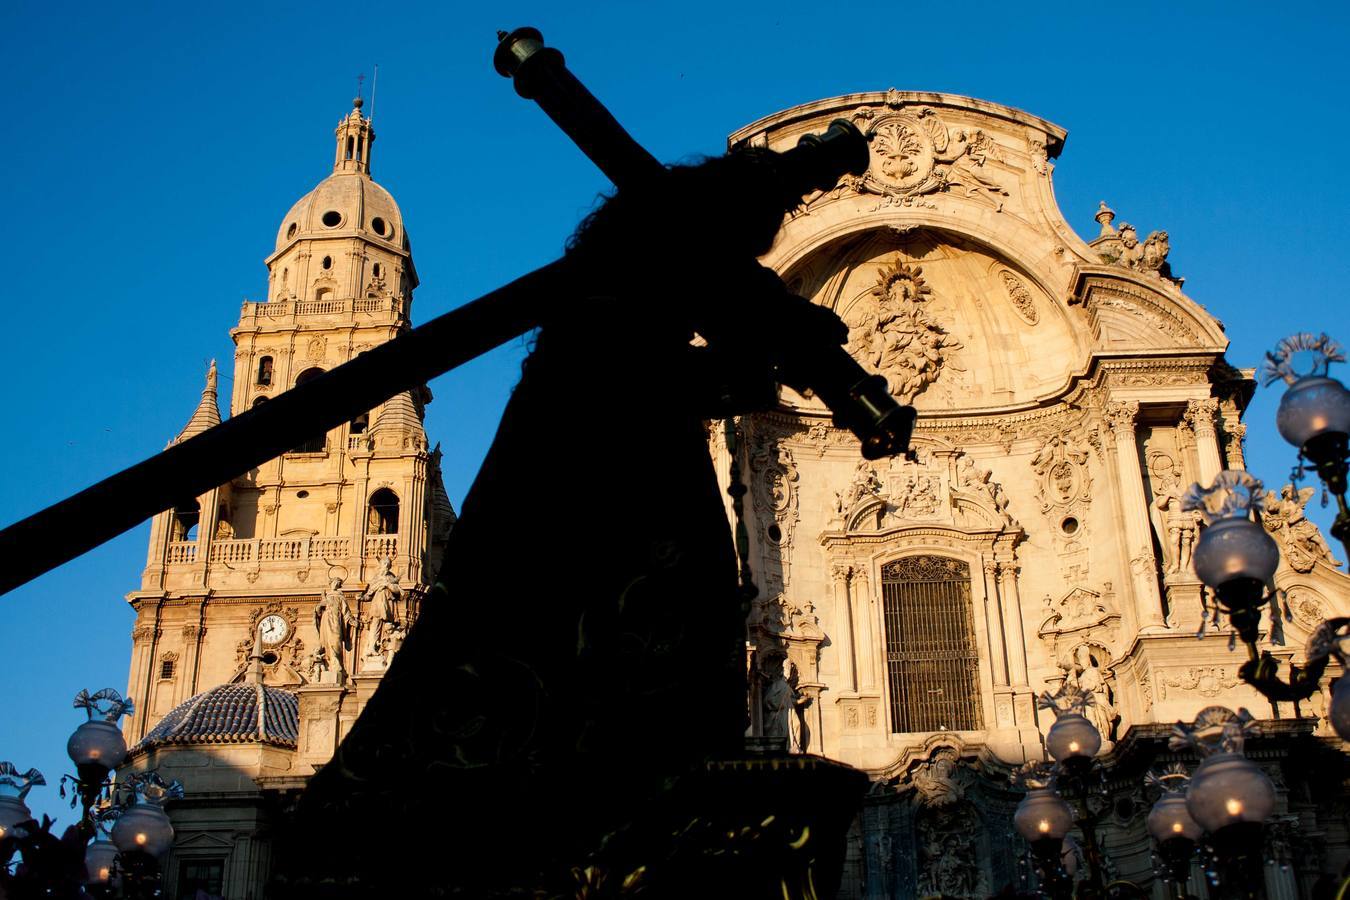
(1020, 297)
(914, 153)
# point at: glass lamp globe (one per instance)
(1072, 737)
(12, 811)
(144, 827)
(1313, 406)
(1339, 713)
(1170, 819)
(1042, 814)
(1228, 788)
(99, 860)
(97, 742)
(1235, 547)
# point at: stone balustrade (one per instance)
(286, 310)
(234, 552)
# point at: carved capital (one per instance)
(143, 633)
(991, 568)
(1200, 416)
(840, 572)
(193, 632)
(1233, 447)
(1120, 416)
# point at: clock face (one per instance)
(273, 628)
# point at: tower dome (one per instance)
(346, 207)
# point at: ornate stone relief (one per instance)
(1207, 681)
(949, 857)
(939, 780)
(1079, 628)
(938, 486)
(892, 333)
(1307, 607)
(1121, 247)
(1301, 542)
(1021, 298)
(914, 153)
(1063, 480)
(774, 483)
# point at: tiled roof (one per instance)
(228, 714)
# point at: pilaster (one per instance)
(1121, 416)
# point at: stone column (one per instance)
(1234, 458)
(867, 645)
(1143, 566)
(839, 573)
(1200, 416)
(998, 638)
(1017, 651)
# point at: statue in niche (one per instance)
(948, 839)
(333, 618)
(1285, 517)
(1088, 676)
(1178, 527)
(383, 593)
(783, 708)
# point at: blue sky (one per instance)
(150, 151)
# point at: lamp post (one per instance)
(1043, 820)
(1314, 414)
(97, 746)
(1173, 829)
(1229, 797)
(125, 819)
(1236, 560)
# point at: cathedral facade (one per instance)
(911, 611)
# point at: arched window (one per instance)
(383, 515)
(186, 515)
(264, 371)
(319, 442)
(323, 294)
(932, 664)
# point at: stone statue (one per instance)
(1286, 519)
(782, 708)
(1089, 677)
(318, 665)
(865, 484)
(935, 783)
(333, 618)
(383, 593)
(1178, 526)
(224, 530)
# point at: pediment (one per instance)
(1126, 312)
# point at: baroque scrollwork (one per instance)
(1021, 298)
(914, 153)
(1062, 476)
(895, 336)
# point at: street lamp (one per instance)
(1229, 797)
(1237, 560)
(1172, 827)
(1043, 820)
(1314, 413)
(143, 826)
(14, 787)
(97, 746)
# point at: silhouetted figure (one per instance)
(583, 650)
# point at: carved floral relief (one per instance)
(894, 335)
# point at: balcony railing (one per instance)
(235, 552)
(288, 309)
(182, 551)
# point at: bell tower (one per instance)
(325, 524)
